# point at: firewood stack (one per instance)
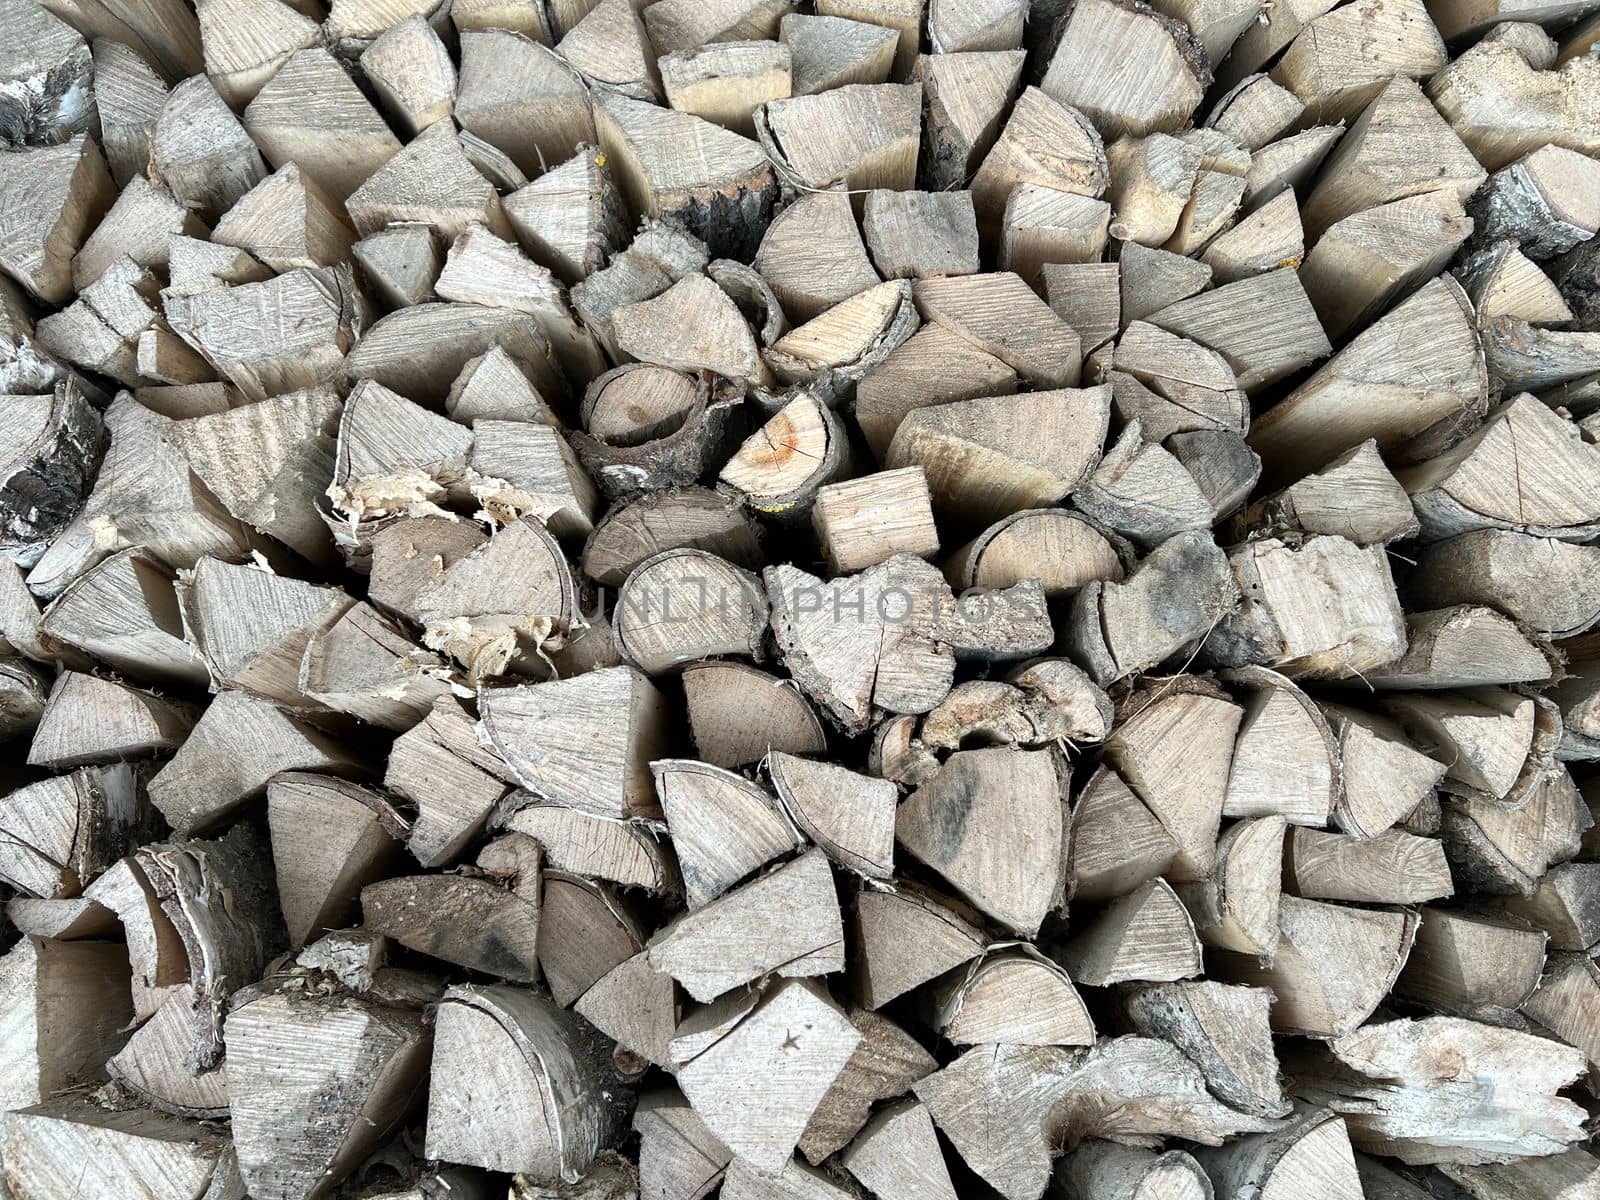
(607, 600)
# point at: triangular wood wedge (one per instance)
(1145, 935)
(723, 826)
(786, 921)
(850, 816)
(1223, 1030)
(1012, 996)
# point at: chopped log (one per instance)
(460, 919)
(828, 52)
(429, 181)
(1569, 1173)
(687, 518)
(1223, 1030)
(411, 71)
(585, 932)
(1116, 843)
(154, 1065)
(762, 1051)
(1384, 777)
(1311, 1151)
(865, 521)
(1470, 965)
(49, 80)
(686, 604)
(857, 136)
(129, 94)
(138, 225)
(72, 1142)
(1562, 906)
(638, 1006)
(570, 218)
(1237, 907)
(1141, 491)
(1006, 853)
(262, 656)
(1438, 653)
(586, 742)
(1492, 78)
(1369, 167)
(1285, 760)
(851, 817)
(1152, 181)
(1365, 260)
(731, 732)
(1112, 634)
(53, 197)
(1144, 935)
(1479, 483)
(1171, 385)
(785, 921)
(726, 83)
(1503, 282)
(1154, 279)
(1484, 735)
(400, 261)
(1332, 967)
(1061, 549)
(780, 468)
(693, 326)
(1094, 36)
(897, 1155)
(1045, 350)
(831, 351)
(1539, 581)
(678, 166)
(914, 234)
(1255, 112)
(1341, 60)
(1355, 496)
(623, 852)
(542, 1110)
(1505, 850)
(237, 746)
(124, 613)
(724, 828)
(1393, 868)
(330, 838)
(451, 780)
(812, 255)
(315, 1084)
(1354, 623)
(985, 458)
(908, 936)
(1259, 350)
(1400, 1097)
(965, 97)
(1540, 202)
(1013, 997)
(1265, 240)
(610, 47)
(934, 366)
(1099, 1170)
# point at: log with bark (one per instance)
(927, 598)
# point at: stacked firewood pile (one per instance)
(616, 600)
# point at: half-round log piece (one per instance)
(1551, 586)
(586, 742)
(1014, 997)
(1505, 850)
(1462, 647)
(87, 719)
(513, 1087)
(812, 254)
(625, 852)
(1059, 548)
(1236, 908)
(1145, 935)
(724, 827)
(1333, 965)
(851, 816)
(881, 152)
(53, 448)
(992, 822)
(1385, 777)
(154, 1065)
(738, 714)
(834, 349)
(687, 604)
(1484, 736)
(1099, 1170)
(780, 467)
(1477, 966)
